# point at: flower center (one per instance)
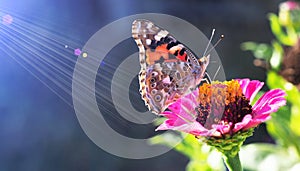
(222, 103)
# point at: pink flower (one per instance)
(288, 13)
(289, 5)
(222, 108)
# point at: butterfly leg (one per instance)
(206, 78)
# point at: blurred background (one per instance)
(38, 126)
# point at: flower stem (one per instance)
(233, 163)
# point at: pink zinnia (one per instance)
(222, 108)
(289, 5)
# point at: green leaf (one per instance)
(195, 165)
(259, 50)
(158, 121)
(284, 125)
(191, 147)
(198, 153)
(278, 126)
(277, 30)
(292, 33)
(276, 81)
(295, 18)
(295, 119)
(183, 143)
(258, 95)
(276, 57)
(169, 139)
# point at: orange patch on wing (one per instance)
(182, 57)
(162, 48)
(160, 51)
(178, 49)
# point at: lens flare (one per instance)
(84, 54)
(77, 52)
(7, 19)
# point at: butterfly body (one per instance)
(169, 69)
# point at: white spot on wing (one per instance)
(157, 37)
(163, 33)
(166, 80)
(149, 25)
(148, 41)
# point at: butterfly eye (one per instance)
(157, 98)
(153, 85)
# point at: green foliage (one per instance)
(284, 34)
(267, 157)
(202, 157)
(276, 57)
(259, 50)
(230, 145)
(284, 125)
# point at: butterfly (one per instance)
(169, 69)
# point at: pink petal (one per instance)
(243, 83)
(194, 128)
(222, 128)
(185, 106)
(250, 88)
(242, 125)
(175, 107)
(164, 126)
(182, 116)
(256, 121)
(179, 112)
(269, 103)
(190, 101)
(174, 119)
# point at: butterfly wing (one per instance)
(168, 68)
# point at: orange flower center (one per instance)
(221, 103)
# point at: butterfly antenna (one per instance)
(220, 39)
(212, 35)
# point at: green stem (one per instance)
(233, 163)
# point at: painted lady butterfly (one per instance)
(169, 69)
